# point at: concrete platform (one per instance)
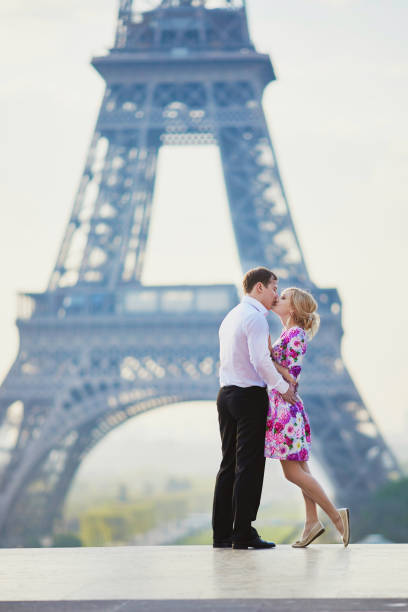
(181, 578)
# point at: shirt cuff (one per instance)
(282, 386)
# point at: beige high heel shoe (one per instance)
(315, 532)
(345, 519)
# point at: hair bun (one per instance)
(304, 310)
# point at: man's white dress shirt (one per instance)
(244, 352)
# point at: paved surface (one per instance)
(211, 605)
(181, 578)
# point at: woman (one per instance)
(288, 431)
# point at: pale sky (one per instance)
(337, 115)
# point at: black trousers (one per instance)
(242, 418)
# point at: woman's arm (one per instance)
(285, 373)
(282, 371)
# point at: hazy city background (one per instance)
(337, 116)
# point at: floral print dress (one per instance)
(287, 427)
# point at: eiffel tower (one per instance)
(98, 347)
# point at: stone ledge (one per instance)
(211, 605)
(200, 573)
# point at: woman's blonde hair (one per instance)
(304, 308)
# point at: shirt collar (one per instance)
(247, 299)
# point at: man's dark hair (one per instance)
(257, 275)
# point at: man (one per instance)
(245, 372)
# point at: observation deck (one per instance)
(367, 577)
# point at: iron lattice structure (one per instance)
(98, 347)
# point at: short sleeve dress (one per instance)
(287, 427)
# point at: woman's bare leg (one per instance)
(310, 506)
(295, 473)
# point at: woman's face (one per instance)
(283, 307)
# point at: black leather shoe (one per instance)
(222, 543)
(255, 542)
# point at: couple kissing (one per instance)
(261, 414)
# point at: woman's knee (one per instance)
(289, 471)
(305, 467)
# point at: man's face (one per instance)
(270, 295)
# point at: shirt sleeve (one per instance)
(257, 332)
